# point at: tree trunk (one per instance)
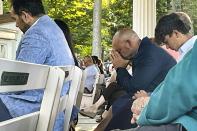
(96, 44)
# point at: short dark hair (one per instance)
(175, 21)
(34, 7)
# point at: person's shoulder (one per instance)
(42, 24)
(35, 38)
(34, 35)
(37, 32)
(148, 46)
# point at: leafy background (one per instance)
(78, 14)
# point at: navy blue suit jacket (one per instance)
(150, 66)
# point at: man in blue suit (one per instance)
(43, 42)
(150, 64)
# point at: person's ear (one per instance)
(128, 42)
(177, 33)
(26, 17)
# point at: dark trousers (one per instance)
(121, 115)
(122, 120)
(4, 113)
(112, 93)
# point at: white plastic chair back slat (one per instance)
(87, 99)
(67, 101)
(94, 86)
(81, 90)
(94, 90)
(75, 78)
(37, 73)
(31, 76)
(50, 101)
(25, 123)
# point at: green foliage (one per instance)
(190, 7)
(6, 6)
(83, 50)
(116, 14)
(163, 7)
(78, 14)
(187, 6)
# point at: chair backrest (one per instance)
(73, 76)
(21, 76)
(81, 90)
(101, 79)
(99, 88)
(95, 88)
(87, 99)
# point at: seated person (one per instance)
(147, 72)
(91, 72)
(107, 94)
(98, 63)
(174, 100)
(39, 46)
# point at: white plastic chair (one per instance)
(87, 99)
(73, 75)
(81, 90)
(21, 76)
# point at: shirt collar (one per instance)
(34, 23)
(186, 47)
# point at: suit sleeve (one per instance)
(144, 73)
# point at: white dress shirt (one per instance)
(186, 47)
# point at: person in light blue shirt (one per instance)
(91, 72)
(43, 42)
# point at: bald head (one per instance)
(126, 43)
(126, 32)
